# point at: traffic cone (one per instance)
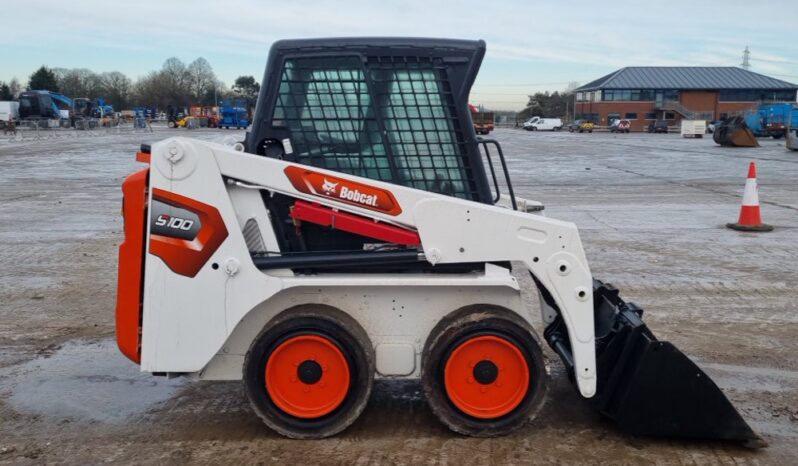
(750, 218)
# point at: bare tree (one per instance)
(79, 82)
(15, 87)
(152, 90)
(116, 88)
(201, 80)
(176, 80)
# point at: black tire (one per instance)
(171, 124)
(570, 130)
(333, 325)
(464, 325)
(590, 131)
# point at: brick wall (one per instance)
(697, 101)
(734, 108)
(605, 108)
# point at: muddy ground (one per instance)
(651, 210)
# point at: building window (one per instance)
(635, 95)
(592, 117)
(669, 116)
(724, 116)
(580, 97)
(756, 95)
(651, 116)
(631, 116)
(670, 94)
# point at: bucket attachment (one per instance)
(648, 386)
(735, 133)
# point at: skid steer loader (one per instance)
(359, 233)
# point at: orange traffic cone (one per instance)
(750, 218)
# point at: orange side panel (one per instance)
(187, 257)
(143, 157)
(130, 279)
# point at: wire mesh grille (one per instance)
(397, 123)
(415, 102)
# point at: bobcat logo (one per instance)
(329, 187)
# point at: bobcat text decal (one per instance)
(340, 189)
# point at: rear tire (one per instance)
(483, 372)
(309, 373)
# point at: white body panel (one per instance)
(9, 110)
(694, 127)
(531, 121)
(205, 324)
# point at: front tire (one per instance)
(483, 372)
(309, 374)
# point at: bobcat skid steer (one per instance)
(358, 233)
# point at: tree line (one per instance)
(175, 84)
(549, 105)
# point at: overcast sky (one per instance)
(532, 45)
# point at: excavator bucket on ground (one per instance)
(735, 133)
(648, 386)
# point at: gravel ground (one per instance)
(651, 210)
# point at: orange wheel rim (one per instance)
(307, 376)
(486, 377)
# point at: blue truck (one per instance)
(772, 119)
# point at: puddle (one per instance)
(84, 381)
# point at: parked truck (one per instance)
(483, 121)
(772, 119)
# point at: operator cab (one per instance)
(394, 110)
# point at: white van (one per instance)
(545, 124)
(9, 110)
(530, 122)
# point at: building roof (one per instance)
(686, 77)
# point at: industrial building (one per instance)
(643, 94)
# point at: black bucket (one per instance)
(648, 386)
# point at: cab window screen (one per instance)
(327, 107)
(393, 120)
(415, 103)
